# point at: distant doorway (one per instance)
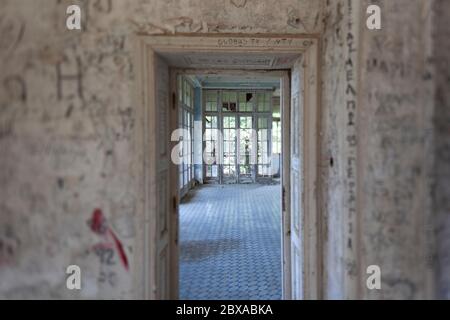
(243, 118)
(230, 217)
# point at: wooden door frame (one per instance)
(146, 48)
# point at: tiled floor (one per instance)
(231, 243)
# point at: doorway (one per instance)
(230, 219)
(158, 56)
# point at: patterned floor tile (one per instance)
(230, 243)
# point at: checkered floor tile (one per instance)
(230, 245)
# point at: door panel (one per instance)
(162, 234)
(296, 173)
(306, 249)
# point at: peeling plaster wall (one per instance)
(395, 147)
(66, 128)
(332, 127)
(404, 174)
(66, 123)
(402, 151)
(441, 131)
(401, 196)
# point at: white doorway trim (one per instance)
(156, 276)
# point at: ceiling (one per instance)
(232, 61)
(218, 81)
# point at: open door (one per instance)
(296, 188)
(305, 230)
(166, 235)
(157, 209)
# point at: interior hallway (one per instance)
(231, 243)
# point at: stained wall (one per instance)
(386, 203)
(441, 148)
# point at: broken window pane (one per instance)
(245, 102)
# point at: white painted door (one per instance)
(161, 217)
(296, 188)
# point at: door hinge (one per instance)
(283, 200)
(174, 100)
(174, 203)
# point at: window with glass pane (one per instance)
(276, 136)
(246, 101)
(186, 94)
(211, 146)
(189, 149)
(263, 151)
(211, 101)
(260, 101)
(180, 89)
(245, 145)
(229, 143)
(185, 89)
(186, 147)
(181, 144)
(229, 101)
(263, 101)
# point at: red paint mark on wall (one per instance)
(98, 222)
(120, 250)
(99, 225)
